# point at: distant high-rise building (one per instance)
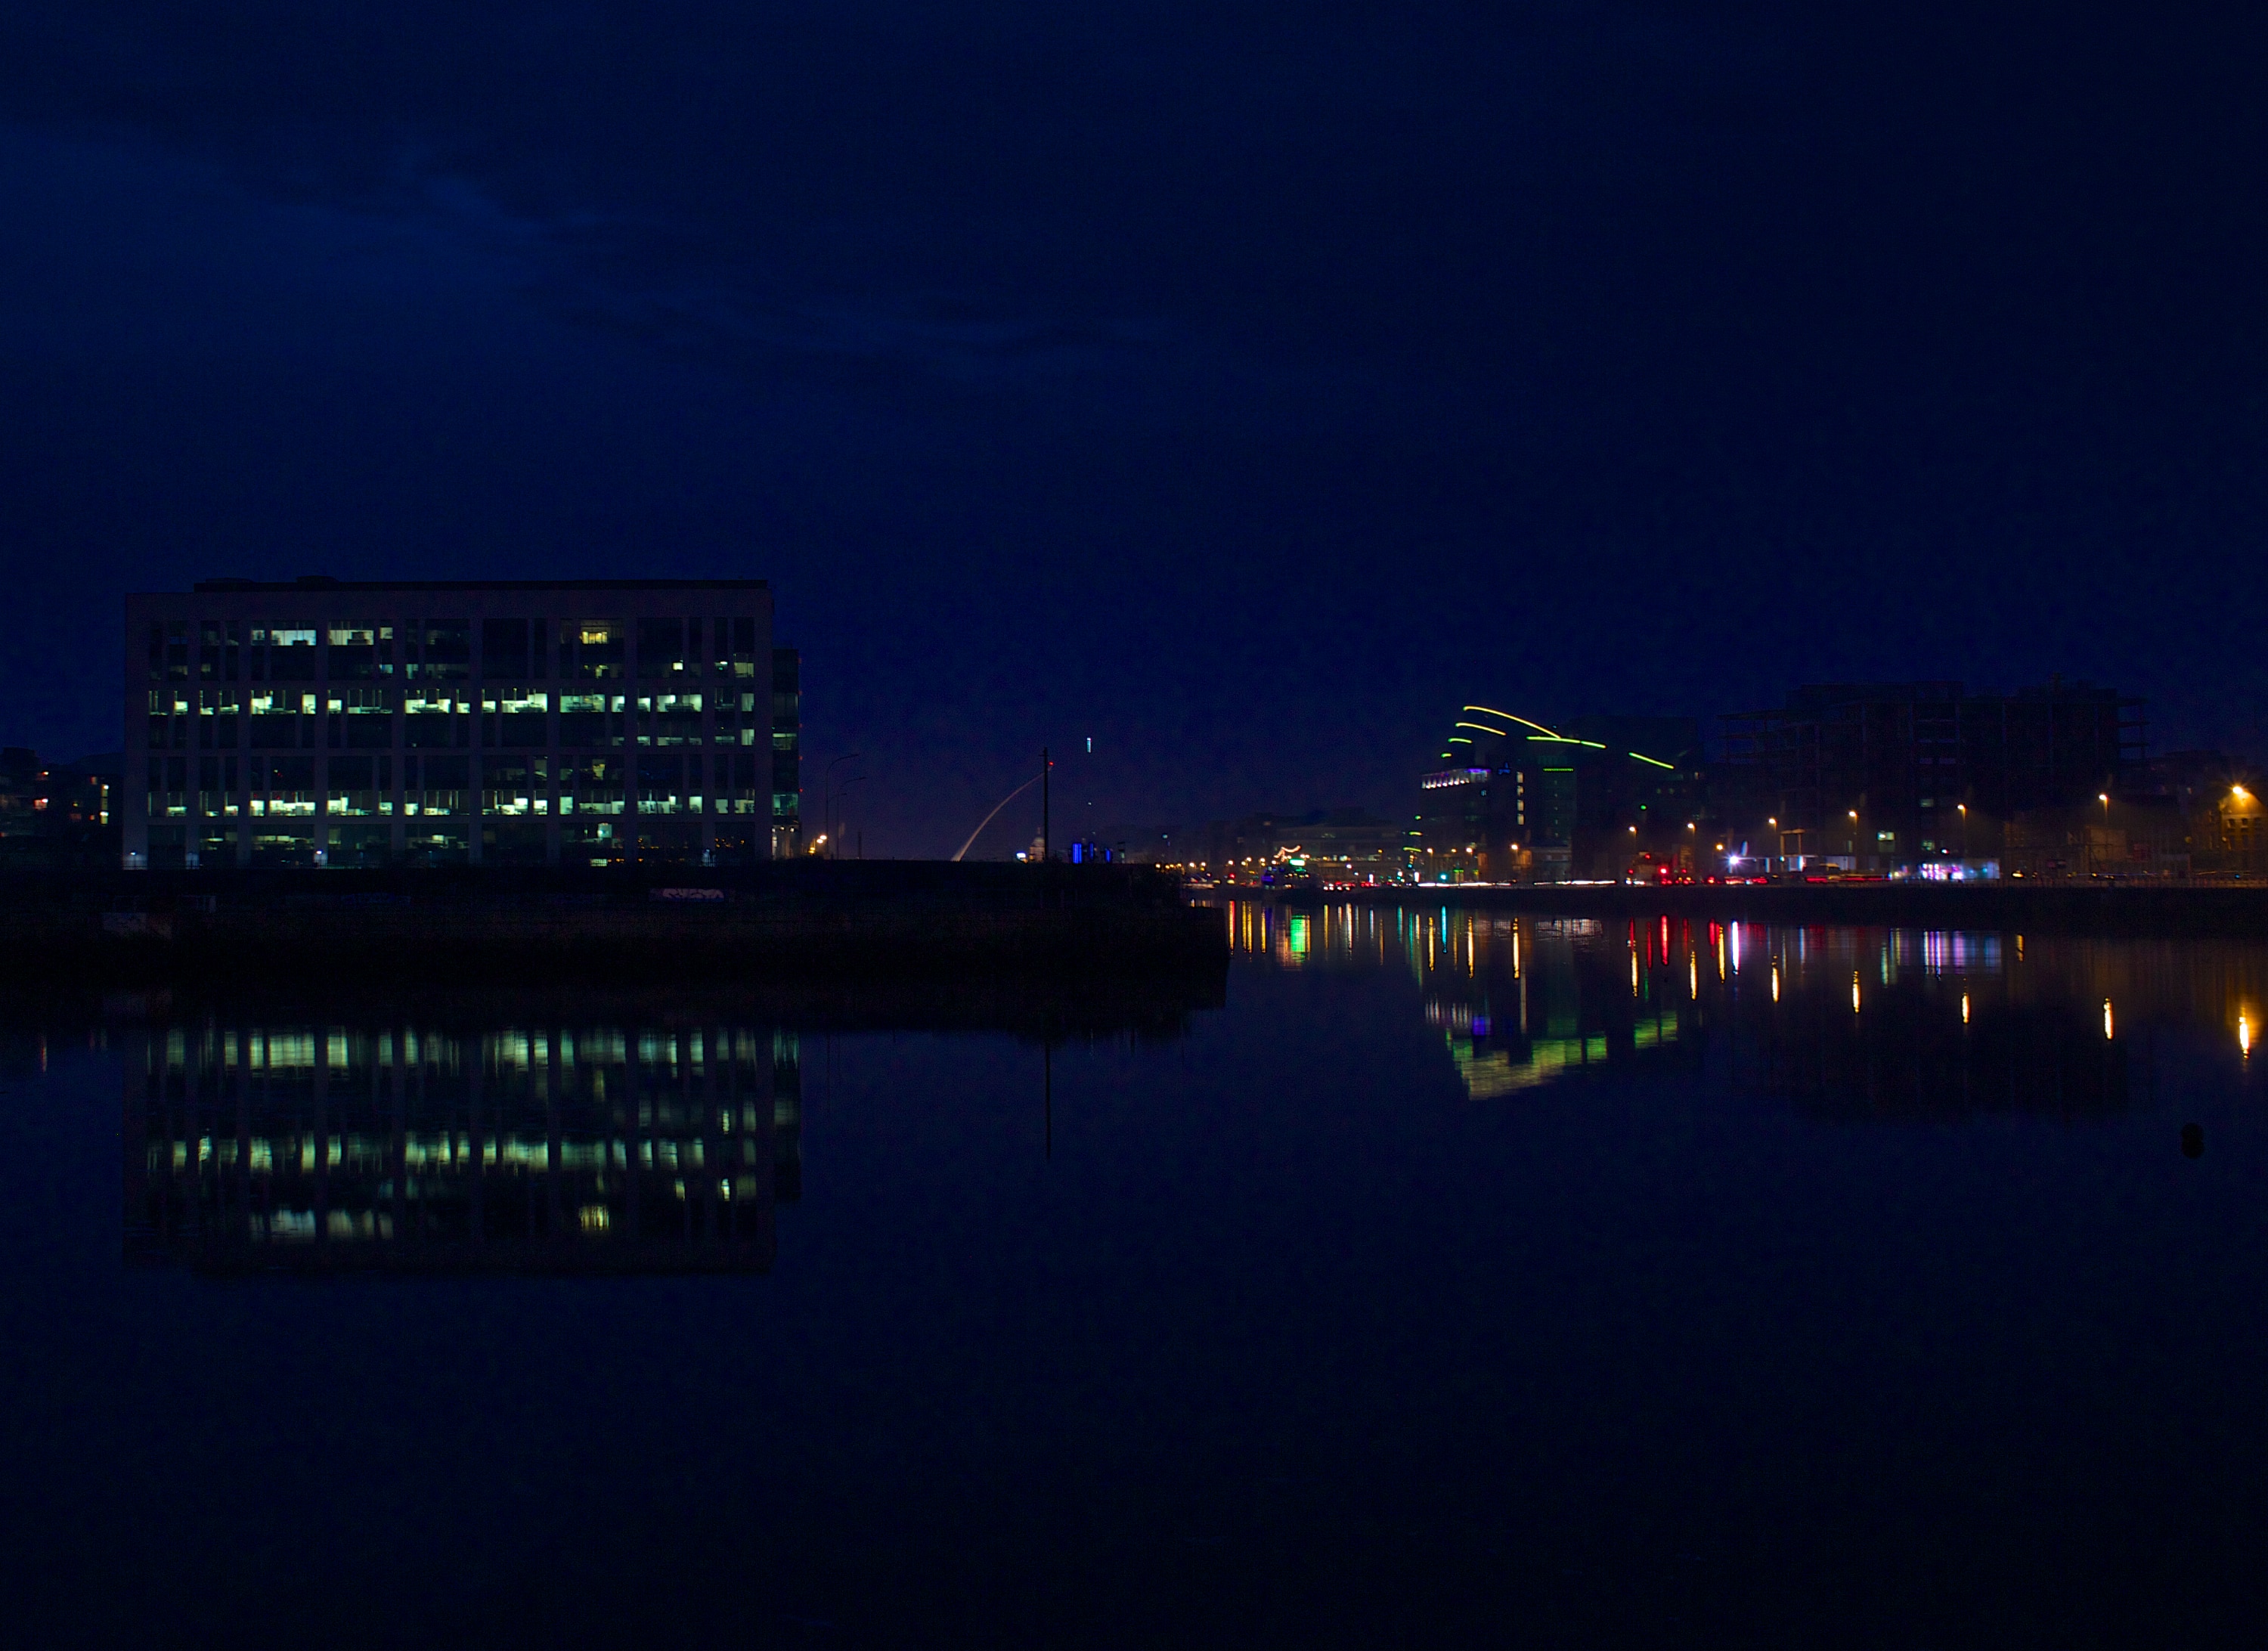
(330, 722)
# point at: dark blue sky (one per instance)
(1244, 386)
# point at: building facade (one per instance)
(1880, 775)
(57, 816)
(325, 722)
(1579, 797)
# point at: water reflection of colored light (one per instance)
(2106, 1019)
(2244, 1036)
(1297, 936)
(1854, 991)
(1964, 1008)
(1775, 983)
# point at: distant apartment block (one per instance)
(1881, 775)
(327, 723)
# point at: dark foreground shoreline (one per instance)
(2236, 910)
(804, 920)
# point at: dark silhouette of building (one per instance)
(1876, 776)
(325, 722)
(1333, 844)
(58, 816)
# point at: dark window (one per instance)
(292, 655)
(504, 648)
(661, 647)
(661, 784)
(446, 649)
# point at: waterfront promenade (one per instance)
(2090, 907)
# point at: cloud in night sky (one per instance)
(1240, 387)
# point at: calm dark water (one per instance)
(1510, 1281)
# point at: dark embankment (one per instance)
(803, 921)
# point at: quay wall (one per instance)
(863, 918)
(2234, 910)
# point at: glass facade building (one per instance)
(328, 722)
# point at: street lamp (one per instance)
(841, 792)
(827, 793)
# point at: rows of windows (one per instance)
(442, 650)
(354, 718)
(306, 1136)
(350, 786)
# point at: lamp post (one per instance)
(827, 795)
(841, 792)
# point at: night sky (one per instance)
(1243, 385)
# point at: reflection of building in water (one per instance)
(399, 1147)
(1851, 1022)
(1519, 1001)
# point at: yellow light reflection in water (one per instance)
(1633, 974)
(2106, 1020)
(1964, 1008)
(1775, 983)
(2244, 1036)
(1693, 976)
(1854, 991)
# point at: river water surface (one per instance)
(1458, 1281)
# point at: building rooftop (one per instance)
(325, 582)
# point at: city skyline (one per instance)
(1233, 391)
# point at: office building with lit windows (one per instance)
(333, 722)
